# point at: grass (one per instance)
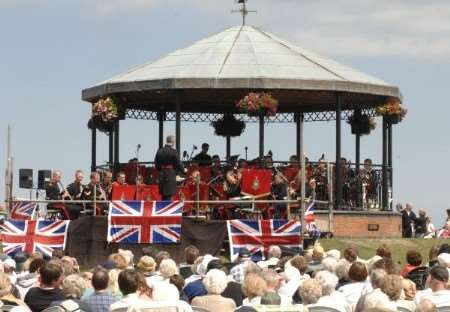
(398, 247)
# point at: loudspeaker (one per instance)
(44, 177)
(26, 178)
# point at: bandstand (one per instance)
(203, 82)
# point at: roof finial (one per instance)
(243, 10)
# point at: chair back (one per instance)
(199, 309)
(444, 309)
(419, 276)
(404, 309)
(53, 309)
(319, 308)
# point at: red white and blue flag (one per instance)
(143, 222)
(23, 210)
(258, 235)
(309, 212)
(32, 236)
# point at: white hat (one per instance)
(9, 263)
(203, 266)
(334, 253)
(444, 259)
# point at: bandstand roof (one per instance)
(215, 72)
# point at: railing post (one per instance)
(385, 185)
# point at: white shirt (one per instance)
(127, 301)
(352, 292)
(335, 300)
(254, 301)
(440, 298)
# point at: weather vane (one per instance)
(243, 10)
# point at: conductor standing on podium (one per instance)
(168, 164)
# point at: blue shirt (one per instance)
(100, 301)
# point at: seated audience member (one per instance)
(146, 266)
(328, 264)
(409, 293)
(376, 277)
(73, 287)
(273, 256)
(330, 297)
(196, 287)
(100, 300)
(351, 254)
(414, 260)
(40, 298)
(243, 260)
(432, 256)
(271, 298)
(215, 283)
(25, 282)
(310, 292)
(384, 251)
(9, 268)
(426, 305)
(190, 254)
(316, 259)
(253, 287)
(437, 292)
(6, 296)
(342, 268)
(273, 282)
(128, 281)
(353, 290)
(387, 295)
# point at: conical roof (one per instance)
(243, 58)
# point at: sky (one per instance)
(50, 50)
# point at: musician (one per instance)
(106, 183)
(75, 190)
(319, 175)
(202, 158)
(279, 191)
(121, 179)
(232, 183)
(168, 164)
(55, 189)
(216, 169)
(408, 221)
(369, 179)
(92, 188)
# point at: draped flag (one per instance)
(32, 236)
(23, 210)
(258, 235)
(137, 222)
(310, 220)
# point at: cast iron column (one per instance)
(93, 149)
(111, 149)
(385, 185)
(116, 147)
(390, 165)
(261, 137)
(338, 151)
(228, 152)
(178, 126)
(161, 118)
(357, 113)
(299, 134)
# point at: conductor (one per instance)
(168, 163)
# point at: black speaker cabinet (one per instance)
(44, 177)
(26, 178)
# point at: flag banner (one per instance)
(31, 236)
(143, 222)
(23, 210)
(258, 235)
(256, 182)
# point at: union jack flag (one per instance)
(258, 235)
(23, 210)
(143, 222)
(31, 236)
(309, 211)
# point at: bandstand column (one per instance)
(299, 133)
(161, 118)
(390, 165)
(358, 161)
(111, 148)
(178, 126)
(261, 136)
(228, 147)
(93, 149)
(338, 151)
(385, 185)
(116, 147)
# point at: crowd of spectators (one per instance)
(317, 280)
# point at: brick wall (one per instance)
(356, 224)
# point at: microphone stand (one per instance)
(137, 170)
(246, 151)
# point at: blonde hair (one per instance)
(119, 260)
(168, 268)
(73, 286)
(5, 285)
(254, 285)
(409, 289)
(114, 282)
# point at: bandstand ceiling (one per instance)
(215, 72)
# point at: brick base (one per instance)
(357, 224)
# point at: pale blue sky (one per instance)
(50, 50)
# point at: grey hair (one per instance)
(327, 281)
(310, 291)
(215, 281)
(329, 264)
(376, 277)
(170, 139)
(274, 252)
(342, 268)
(73, 286)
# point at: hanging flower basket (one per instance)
(228, 125)
(257, 103)
(104, 114)
(361, 124)
(392, 111)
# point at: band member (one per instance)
(216, 169)
(168, 164)
(106, 183)
(279, 191)
(55, 189)
(75, 190)
(121, 179)
(232, 183)
(202, 158)
(94, 188)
